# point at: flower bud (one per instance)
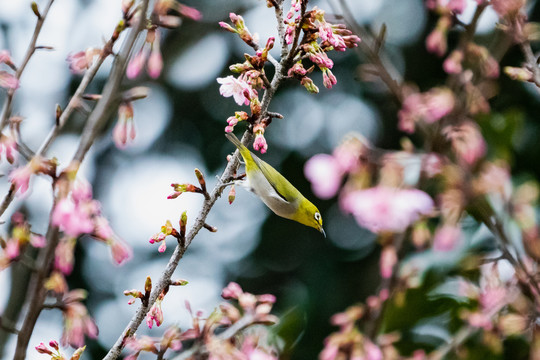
(232, 195)
(35, 9)
(148, 285)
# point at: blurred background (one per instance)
(180, 126)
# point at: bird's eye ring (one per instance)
(317, 216)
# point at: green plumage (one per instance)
(275, 190)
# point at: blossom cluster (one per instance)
(247, 339)
(53, 350)
(166, 14)
(416, 199)
(319, 38)
(79, 214)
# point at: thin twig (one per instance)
(386, 71)
(6, 110)
(231, 331)
(459, 338)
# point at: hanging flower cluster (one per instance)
(8, 80)
(21, 236)
(79, 214)
(165, 14)
(319, 38)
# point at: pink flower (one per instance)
(38, 241)
(329, 79)
(321, 59)
(120, 251)
(456, 6)
(155, 60)
(260, 143)
(237, 88)
(72, 219)
(387, 209)
(446, 238)
(8, 146)
(325, 175)
(5, 57)
(144, 343)
(326, 32)
(136, 64)
(438, 103)
(124, 131)
(12, 250)
(162, 247)
(251, 349)
(189, 12)
(64, 257)
(507, 7)
(43, 349)
(155, 63)
(102, 229)
(232, 291)
(436, 42)
(172, 339)
(452, 64)
(81, 191)
(155, 314)
(467, 141)
(388, 261)
(429, 107)
(20, 177)
(372, 351)
(77, 324)
(8, 81)
(82, 60)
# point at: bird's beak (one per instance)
(322, 231)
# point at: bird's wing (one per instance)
(279, 183)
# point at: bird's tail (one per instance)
(232, 138)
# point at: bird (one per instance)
(275, 190)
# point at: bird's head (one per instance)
(309, 215)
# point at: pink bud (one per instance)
(388, 261)
(231, 291)
(155, 63)
(8, 81)
(189, 12)
(162, 247)
(43, 349)
(136, 64)
(446, 238)
(260, 143)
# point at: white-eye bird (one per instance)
(276, 191)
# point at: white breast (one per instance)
(258, 184)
